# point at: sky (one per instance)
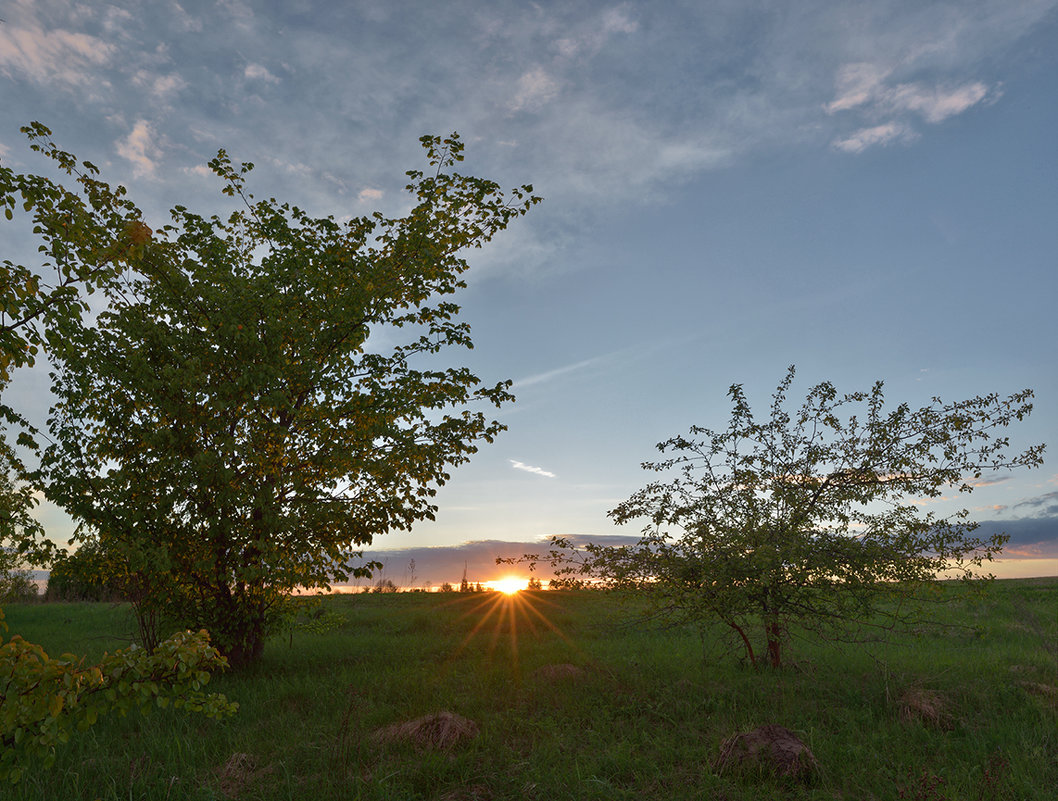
(865, 190)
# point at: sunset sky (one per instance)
(864, 189)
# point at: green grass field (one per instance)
(968, 713)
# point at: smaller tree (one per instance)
(45, 699)
(812, 517)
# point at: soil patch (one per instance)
(771, 748)
(442, 731)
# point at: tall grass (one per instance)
(966, 713)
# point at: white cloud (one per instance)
(877, 135)
(53, 56)
(540, 378)
(861, 87)
(533, 90)
(259, 72)
(186, 22)
(935, 104)
(369, 194)
(592, 36)
(530, 469)
(165, 85)
(140, 148)
(856, 84)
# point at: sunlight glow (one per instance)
(509, 585)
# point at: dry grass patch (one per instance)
(1044, 691)
(771, 748)
(927, 707)
(558, 672)
(441, 732)
(239, 774)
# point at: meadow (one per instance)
(572, 696)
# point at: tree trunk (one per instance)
(774, 636)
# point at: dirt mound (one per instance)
(1044, 691)
(927, 706)
(239, 774)
(558, 672)
(772, 748)
(441, 731)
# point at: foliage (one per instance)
(87, 574)
(264, 436)
(101, 226)
(813, 517)
(43, 700)
(16, 583)
(306, 613)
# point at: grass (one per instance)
(965, 714)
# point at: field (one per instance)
(572, 701)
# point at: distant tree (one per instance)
(87, 574)
(446, 587)
(534, 584)
(812, 518)
(264, 436)
(16, 583)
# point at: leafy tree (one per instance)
(101, 225)
(87, 574)
(227, 428)
(43, 699)
(812, 517)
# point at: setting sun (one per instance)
(509, 585)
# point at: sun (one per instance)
(509, 585)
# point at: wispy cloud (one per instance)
(550, 375)
(864, 138)
(534, 88)
(139, 147)
(530, 469)
(58, 56)
(863, 89)
(258, 72)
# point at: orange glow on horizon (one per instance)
(509, 585)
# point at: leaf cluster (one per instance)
(43, 700)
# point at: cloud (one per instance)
(55, 56)
(139, 147)
(534, 89)
(530, 469)
(864, 138)
(161, 87)
(258, 72)
(1046, 503)
(478, 558)
(856, 85)
(593, 35)
(1029, 536)
(368, 194)
(549, 375)
(986, 480)
(861, 88)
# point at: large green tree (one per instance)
(813, 517)
(263, 394)
(42, 699)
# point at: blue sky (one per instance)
(864, 189)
